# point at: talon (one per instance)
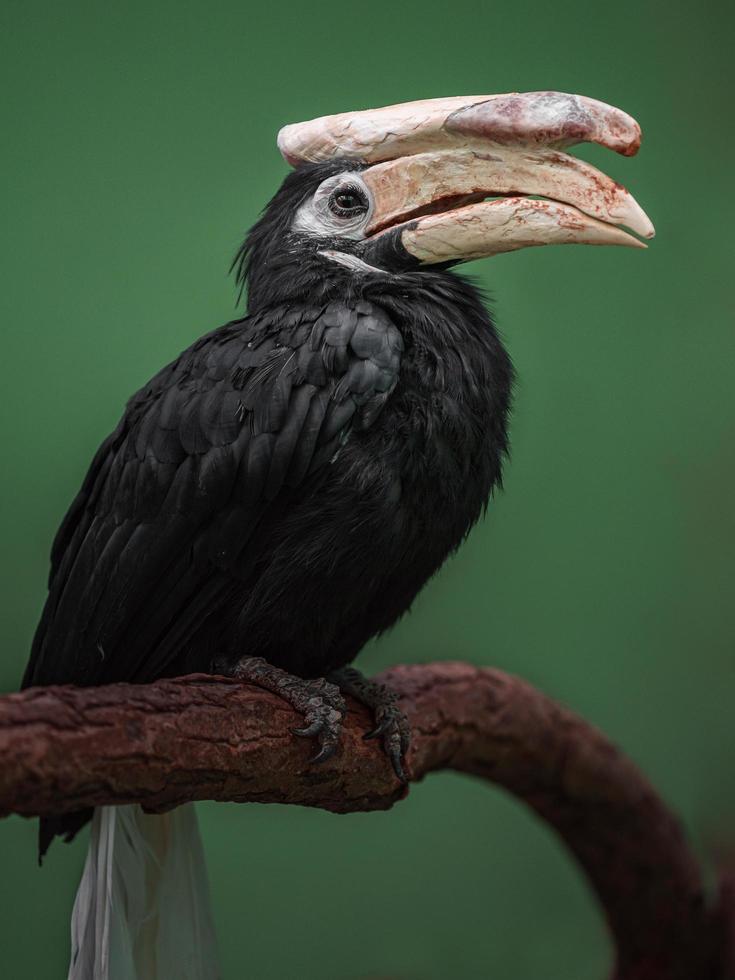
(324, 753)
(398, 768)
(393, 746)
(308, 730)
(381, 728)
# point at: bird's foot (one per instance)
(391, 725)
(320, 702)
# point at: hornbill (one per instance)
(280, 492)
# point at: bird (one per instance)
(280, 493)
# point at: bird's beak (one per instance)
(458, 179)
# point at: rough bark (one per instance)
(203, 737)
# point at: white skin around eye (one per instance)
(315, 217)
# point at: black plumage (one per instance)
(287, 485)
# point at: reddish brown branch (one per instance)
(202, 737)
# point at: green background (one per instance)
(138, 145)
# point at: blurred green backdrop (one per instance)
(138, 145)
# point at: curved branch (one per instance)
(202, 737)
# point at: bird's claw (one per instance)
(324, 753)
(392, 728)
(396, 757)
(391, 725)
(380, 729)
(323, 714)
(308, 731)
(320, 702)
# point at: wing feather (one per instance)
(158, 535)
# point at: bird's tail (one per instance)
(142, 909)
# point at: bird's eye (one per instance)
(340, 207)
(347, 202)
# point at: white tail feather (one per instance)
(142, 908)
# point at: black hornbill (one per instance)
(279, 493)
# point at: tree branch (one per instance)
(203, 737)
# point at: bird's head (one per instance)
(426, 185)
